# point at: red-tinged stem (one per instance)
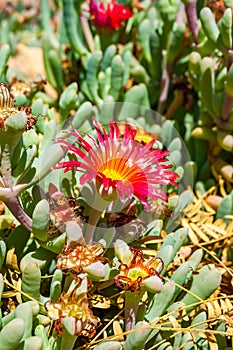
(180, 15)
(8, 193)
(228, 100)
(16, 209)
(227, 106)
(87, 33)
(191, 13)
(165, 82)
(176, 103)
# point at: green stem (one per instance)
(67, 340)
(132, 300)
(6, 165)
(46, 17)
(92, 224)
(98, 206)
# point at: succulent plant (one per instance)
(117, 253)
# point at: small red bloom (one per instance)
(120, 165)
(110, 17)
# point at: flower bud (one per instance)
(152, 284)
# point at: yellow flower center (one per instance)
(115, 169)
(135, 273)
(141, 134)
(112, 174)
(145, 138)
(73, 310)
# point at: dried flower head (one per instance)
(63, 209)
(31, 119)
(128, 227)
(19, 87)
(121, 166)
(218, 7)
(7, 107)
(76, 257)
(110, 17)
(73, 305)
(132, 275)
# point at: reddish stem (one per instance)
(191, 13)
(16, 209)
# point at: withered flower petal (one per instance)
(73, 305)
(76, 257)
(7, 108)
(131, 276)
(6, 104)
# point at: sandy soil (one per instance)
(28, 60)
(27, 3)
(3, 3)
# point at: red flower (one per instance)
(120, 165)
(112, 17)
